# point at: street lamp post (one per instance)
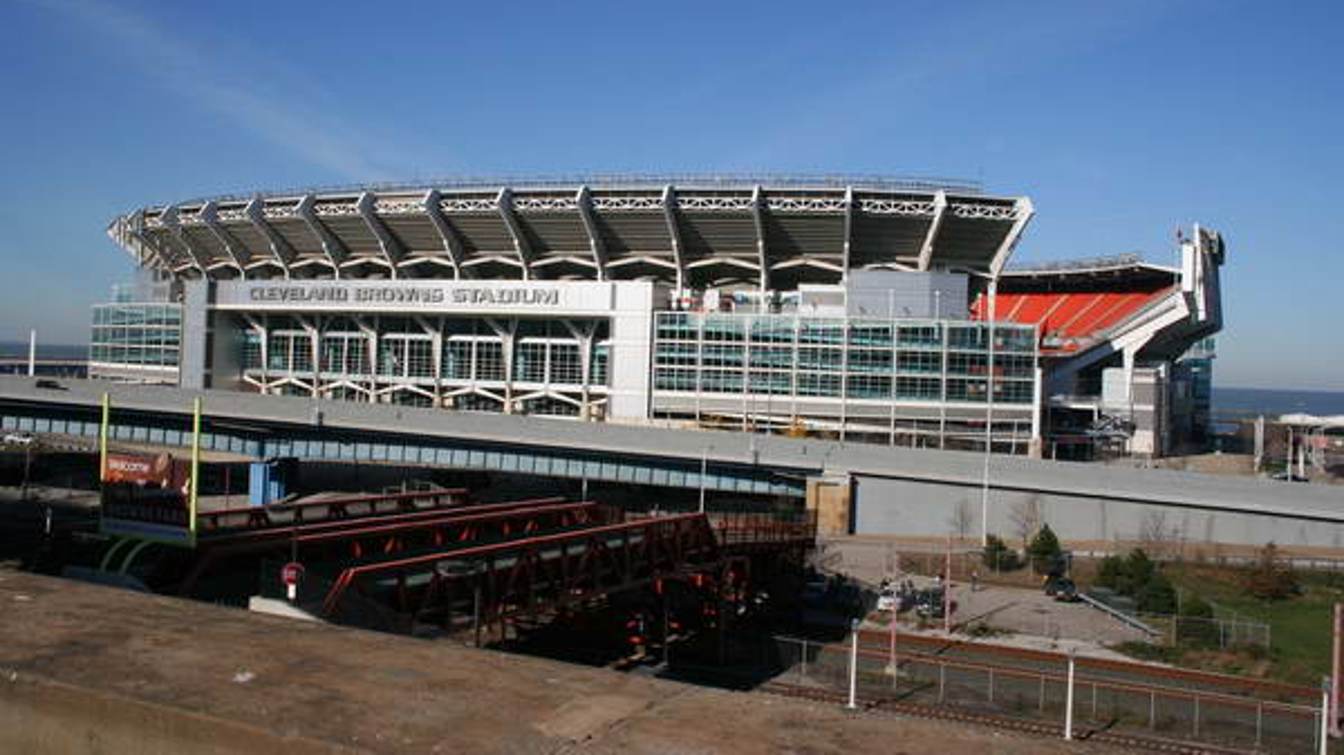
(989, 416)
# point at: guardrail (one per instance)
(1118, 614)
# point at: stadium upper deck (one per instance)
(768, 232)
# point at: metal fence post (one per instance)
(942, 680)
(1040, 704)
(1196, 733)
(991, 684)
(1152, 709)
(1323, 733)
(802, 667)
(1259, 721)
(853, 664)
(1094, 701)
(1068, 701)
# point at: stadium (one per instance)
(861, 308)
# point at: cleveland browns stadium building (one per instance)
(868, 309)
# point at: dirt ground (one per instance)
(278, 684)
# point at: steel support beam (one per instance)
(756, 210)
(393, 251)
(280, 248)
(335, 250)
(939, 210)
(1022, 214)
(669, 202)
(170, 221)
(131, 230)
(451, 243)
(237, 251)
(504, 202)
(584, 200)
(847, 250)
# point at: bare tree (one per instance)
(961, 519)
(1155, 536)
(1026, 519)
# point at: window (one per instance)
(251, 350)
(870, 360)
(674, 379)
(601, 356)
(531, 364)
(918, 388)
(420, 358)
(566, 366)
(814, 384)
(391, 357)
(820, 358)
(457, 360)
(489, 360)
(868, 386)
(919, 361)
(356, 355)
(721, 381)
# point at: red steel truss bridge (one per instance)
(434, 559)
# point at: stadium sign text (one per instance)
(411, 295)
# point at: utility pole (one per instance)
(989, 414)
(32, 352)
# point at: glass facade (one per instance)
(531, 366)
(843, 358)
(136, 335)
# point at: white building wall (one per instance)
(631, 365)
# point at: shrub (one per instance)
(1270, 580)
(1156, 595)
(1138, 572)
(1044, 550)
(1111, 572)
(998, 556)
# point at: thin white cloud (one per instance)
(241, 92)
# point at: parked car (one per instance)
(1062, 589)
(19, 439)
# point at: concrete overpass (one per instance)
(861, 488)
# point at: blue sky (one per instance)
(1122, 121)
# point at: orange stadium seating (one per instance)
(1069, 319)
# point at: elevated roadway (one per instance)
(911, 491)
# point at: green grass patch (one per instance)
(1299, 625)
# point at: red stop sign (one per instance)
(291, 573)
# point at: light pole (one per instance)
(989, 416)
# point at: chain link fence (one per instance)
(1039, 694)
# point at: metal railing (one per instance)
(634, 180)
(1084, 263)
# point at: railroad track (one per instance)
(1037, 728)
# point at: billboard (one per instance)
(149, 496)
(146, 496)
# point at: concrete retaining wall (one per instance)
(891, 506)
